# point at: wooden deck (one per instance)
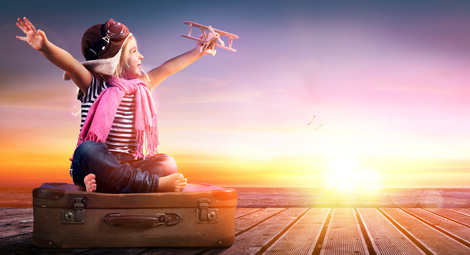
(297, 230)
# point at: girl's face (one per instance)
(133, 61)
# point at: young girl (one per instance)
(117, 147)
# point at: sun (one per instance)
(344, 174)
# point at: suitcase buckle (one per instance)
(168, 219)
(204, 213)
(77, 214)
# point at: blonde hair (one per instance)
(123, 65)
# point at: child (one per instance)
(117, 147)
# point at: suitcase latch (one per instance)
(77, 214)
(204, 213)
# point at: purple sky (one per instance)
(388, 83)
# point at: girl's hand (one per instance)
(202, 47)
(35, 38)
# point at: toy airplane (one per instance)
(211, 39)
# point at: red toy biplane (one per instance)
(212, 38)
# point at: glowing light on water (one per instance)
(345, 175)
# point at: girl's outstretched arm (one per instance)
(59, 57)
(159, 74)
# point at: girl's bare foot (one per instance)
(172, 183)
(90, 182)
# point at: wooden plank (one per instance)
(123, 251)
(452, 215)
(18, 244)
(253, 241)
(5, 212)
(245, 211)
(386, 238)
(301, 238)
(173, 251)
(285, 231)
(16, 229)
(243, 223)
(464, 211)
(15, 217)
(344, 235)
(16, 221)
(434, 240)
(15, 212)
(9, 240)
(457, 231)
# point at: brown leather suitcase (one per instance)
(200, 216)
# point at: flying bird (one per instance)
(311, 120)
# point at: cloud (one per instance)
(22, 90)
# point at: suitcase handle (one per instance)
(167, 219)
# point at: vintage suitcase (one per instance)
(200, 216)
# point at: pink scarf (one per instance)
(101, 115)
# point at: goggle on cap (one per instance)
(102, 45)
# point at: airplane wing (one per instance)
(207, 27)
(204, 28)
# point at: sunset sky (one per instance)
(388, 84)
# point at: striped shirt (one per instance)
(122, 136)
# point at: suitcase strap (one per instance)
(167, 219)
